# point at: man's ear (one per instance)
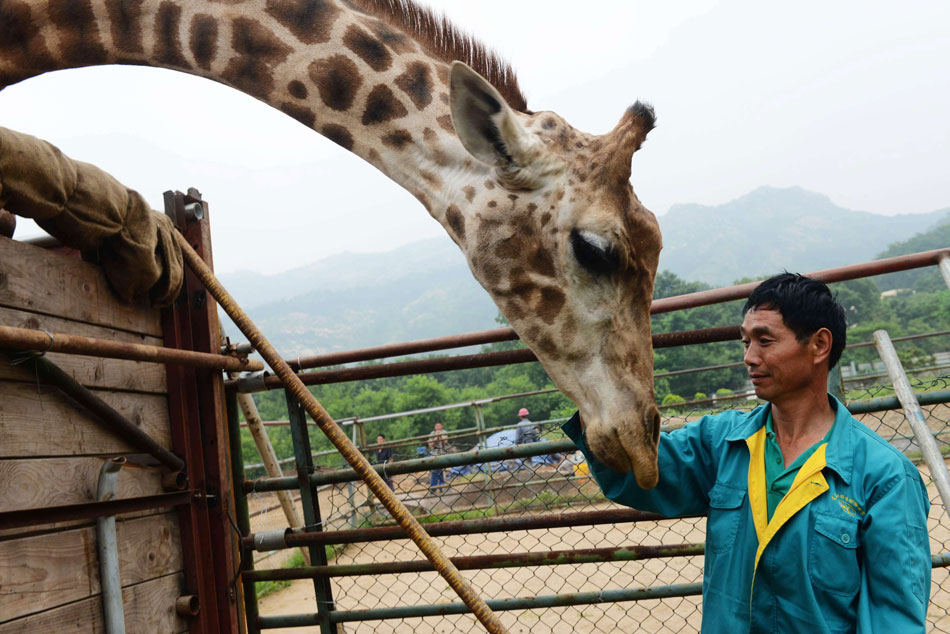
(486, 125)
(821, 341)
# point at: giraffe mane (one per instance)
(442, 38)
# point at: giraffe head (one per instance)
(555, 233)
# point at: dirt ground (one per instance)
(656, 616)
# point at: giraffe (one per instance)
(545, 214)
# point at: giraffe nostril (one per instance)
(651, 420)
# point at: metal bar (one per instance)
(286, 539)
(883, 403)
(485, 562)
(915, 416)
(242, 517)
(91, 510)
(494, 454)
(340, 441)
(403, 349)
(113, 614)
(41, 340)
(49, 372)
(469, 361)
(500, 605)
(310, 502)
(944, 264)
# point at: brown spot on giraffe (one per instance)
(311, 21)
(545, 218)
(397, 139)
(78, 31)
(532, 208)
(469, 192)
(126, 19)
(493, 203)
(542, 263)
(489, 185)
(396, 41)
(445, 122)
(338, 134)
(258, 51)
(375, 157)
(203, 39)
(337, 79)
(297, 89)
(302, 114)
(22, 43)
(456, 222)
(429, 135)
(367, 48)
(431, 178)
(416, 82)
(167, 45)
(549, 123)
(442, 72)
(382, 106)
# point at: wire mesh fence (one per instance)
(539, 487)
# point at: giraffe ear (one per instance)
(485, 124)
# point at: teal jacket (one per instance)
(847, 549)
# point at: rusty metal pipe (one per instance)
(483, 562)
(333, 432)
(469, 361)
(291, 539)
(49, 372)
(31, 339)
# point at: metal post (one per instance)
(944, 264)
(836, 383)
(241, 513)
(310, 502)
(915, 416)
(113, 613)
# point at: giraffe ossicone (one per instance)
(545, 214)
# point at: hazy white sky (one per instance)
(850, 99)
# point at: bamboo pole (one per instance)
(349, 452)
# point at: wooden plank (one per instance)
(149, 607)
(38, 421)
(116, 374)
(40, 281)
(30, 484)
(47, 571)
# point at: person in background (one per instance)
(438, 445)
(526, 431)
(384, 455)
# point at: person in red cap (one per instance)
(526, 431)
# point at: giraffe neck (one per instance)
(338, 70)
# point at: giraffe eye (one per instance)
(594, 253)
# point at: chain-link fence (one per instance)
(520, 545)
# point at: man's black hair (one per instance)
(806, 305)
(383, 436)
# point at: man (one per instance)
(815, 524)
(384, 456)
(438, 445)
(526, 431)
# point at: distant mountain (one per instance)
(352, 300)
(425, 289)
(770, 230)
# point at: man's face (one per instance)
(778, 364)
(438, 426)
(380, 440)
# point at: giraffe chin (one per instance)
(610, 447)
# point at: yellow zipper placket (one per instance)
(809, 483)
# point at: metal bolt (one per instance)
(194, 211)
